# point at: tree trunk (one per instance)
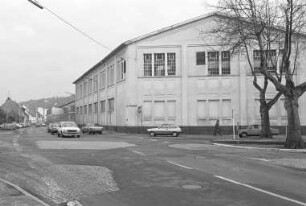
(265, 121)
(294, 138)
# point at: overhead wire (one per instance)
(37, 4)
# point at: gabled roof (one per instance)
(140, 38)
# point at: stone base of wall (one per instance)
(197, 130)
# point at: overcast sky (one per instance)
(40, 56)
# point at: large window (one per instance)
(85, 109)
(121, 70)
(271, 59)
(90, 86)
(225, 63)
(102, 106)
(110, 75)
(95, 83)
(90, 109)
(111, 105)
(213, 63)
(201, 58)
(102, 79)
(96, 107)
(159, 64)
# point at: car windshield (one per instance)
(69, 124)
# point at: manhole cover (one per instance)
(191, 187)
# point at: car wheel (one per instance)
(152, 134)
(244, 134)
(174, 134)
(59, 134)
(78, 136)
(100, 132)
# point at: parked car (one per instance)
(165, 129)
(92, 129)
(52, 128)
(254, 130)
(8, 126)
(68, 129)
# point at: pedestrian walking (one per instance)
(217, 129)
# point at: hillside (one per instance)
(32, 105)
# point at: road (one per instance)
(116, 169)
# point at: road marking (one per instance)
(153, 140)
(261, 190)
(137, 152)
(261, 159)
(24, 192)
(183, 166)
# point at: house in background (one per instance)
(65, 112)
(180, 74)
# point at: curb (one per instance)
(24, 192)
(260, 148)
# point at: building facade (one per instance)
(179, 74)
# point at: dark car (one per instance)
(92, 129)
(52, 128)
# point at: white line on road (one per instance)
(24, 192)
(261, 159)
(153, 140)
(137, 152)
(183, 166)
(261, 190)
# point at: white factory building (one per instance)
(179, 74)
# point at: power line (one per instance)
(34, 2)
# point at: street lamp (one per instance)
(36, 4)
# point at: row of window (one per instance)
(105, 77)
(159, 64)
(93, 108)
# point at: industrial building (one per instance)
(180, 74)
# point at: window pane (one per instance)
(225, 61)
(147, 66)
(201, 58)
(213, 63)
(159, 64)
(171, 110)
(171, 63)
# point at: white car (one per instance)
(68, 129)
(165, 129)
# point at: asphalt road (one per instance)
(136, 170)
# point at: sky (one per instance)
(40, 56)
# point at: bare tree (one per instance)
(273, 28)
